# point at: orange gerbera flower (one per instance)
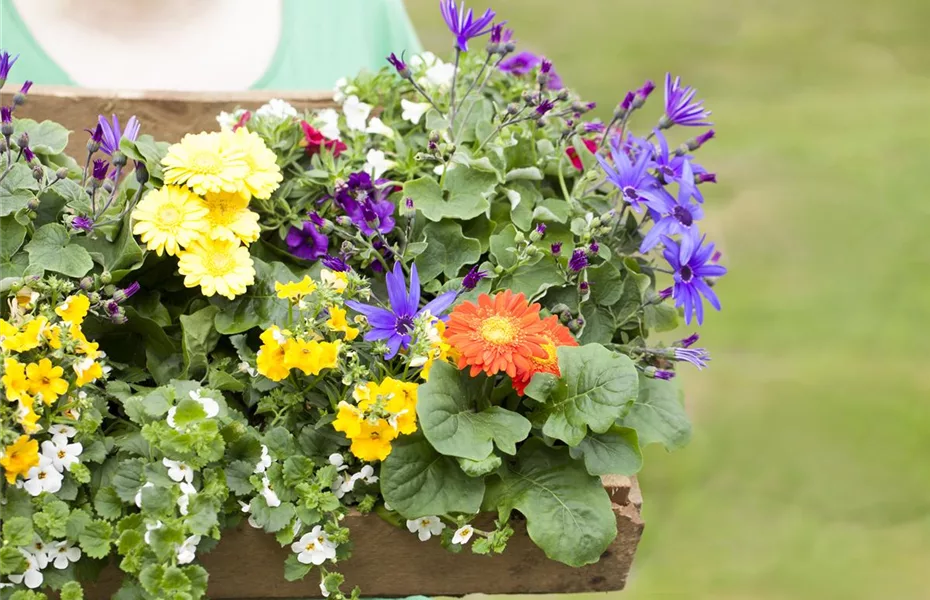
(556, 335)
(503, 333)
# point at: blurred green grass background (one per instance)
(809, 472)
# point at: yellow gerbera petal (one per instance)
(229, 218)
(170, 219)
(264, 174)
(206, 164)
(218, 267)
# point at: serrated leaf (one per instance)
(17, 531)
(295, 570)
(271, 518)
(77, 522)
(95, 540)
(107, 503)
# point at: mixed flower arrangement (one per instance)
(433, 302)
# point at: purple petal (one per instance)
(440, 303)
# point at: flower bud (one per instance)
(108, 186)
(106, 278)
(343, 221)
(61, 173)
(6, 129)
(513, 108)
(562, 96)
(565, 316)
(38, 173)
(560, 308)
(31, 215)
(23, 140)
(87, 284)
(118, 159)
(33, 204)
(94, 297)
(142, 173)
(519, 238)
(576, 325)
(109, 289)
(16, 286)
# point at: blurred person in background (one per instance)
(204, 45)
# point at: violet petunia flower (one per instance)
(520, 63)
(680, 107)
(675, 216)
(307, 241)
(690, 269)
(463, 24)
(6, 63)
(112, 134)
(394, 326)
(366, 204)
(637, 186)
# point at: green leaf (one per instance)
(447, 251)
(198, 338)
(658, 414)
(16, 190)
(280, 442)
(77, 523)
(95, 541)
(599, 325)
(417, 481)
(503, 246)
(198, 578)
(128, 479)
(119, 257)
(523, 197)
(52, 519)
(46, 137)
(660, 317)
(632, 296)
(11, 560)
(295, 570)
(552, 209)
(12, 238)
(107, 503)
(595, 389)
(72, 591)
(606, 284)
(568, 512)
(174, 580)
(271, 518)
(18, 531)
(480, 468)
(531, 173)
(447, 406)
(147, 150)
(468, 192)
(259, 306)
(237, 477)
(50, 249)
(532, 279)
(614, 452)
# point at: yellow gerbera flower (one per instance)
(295, 290)
(312, 356)
(218, 267)
(337, 322)
(230, 218)
(264, 174)
(373, 441)
(205, 164)
(14, 379)
(335, 280)
(45, 380)
(87, 370)
(74, 309)
(170, 219)
(19, 457)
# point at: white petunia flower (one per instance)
(138, 497)
(32, 576)
(63, 430)
(356, 113)
(43, 477)
(314, 548)
(187, 551)
(63, 553)
(414, 111)
(264, 462)
(276, 109)
(376, 163)
(188, 491)
(271, 498)
(377, 126)
(425, 527)
(61, 454)
(463, 534)
(328, 121)
(341, 89)
(149, 528)
(178, 471)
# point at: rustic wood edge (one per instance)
(389, 562)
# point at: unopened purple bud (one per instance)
(6, 114)
(689, 341)
(706, 178)
(594, 127)
(625, 104)
(399, 65)
(663, 374)
(594, 247)
(126, 293)
(544, 107)
(583, 286)
(701, 139)
(100, 169)
(25, 88)
(408, 202)
(643, 93)
(716, 257)
(334, 263)
(112, 307)
(497, 33)
(473, 277)
(665, 294)
(317, 219)
(28, 154)
(578, 261)
(541, 228)
(546, 66)
(82, 223)
(96, 135)
(556, 248)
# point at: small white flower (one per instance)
(187, 551)
(32, 576)
(245, 367)
(63, 553)
(210, 406)
(314, 547)
(418, 361)
(323, 590)
(61, 454)
(264, 462)
(438, 169)
(368, 474)
(229, 120)
(247, 508)
(341, 88)
(328, 121)
(64, 430)
(43, 477)
(377, 163)
(338, 461)
(188, 491)
(377, 126)
(356, 113)
(170, 419)
(178, 471)
(463, 534)
(276, 109)
(413, 111)
(149, 528)
(425, 527)
(138, 498)
(271, 498)
(40, 550)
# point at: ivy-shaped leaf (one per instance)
(658, 414)
(51, 249)
(447, 251)
(614, 452)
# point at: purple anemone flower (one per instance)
(394, 325)
(680, 107)
(520, 63)
(100, 169)
(307, 242)
(636, 185)
(6, 63)
(112, 134)
(676, 216)
(473, 277)
(463, 24)
(82, 223)
(690, 269)
(366, 204)
(578, 261)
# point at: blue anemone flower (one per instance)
(463, 24)
(690, 268)
(676, 216)
(112, 134)
(637, 186)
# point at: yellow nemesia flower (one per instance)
(87, 370)
(169, 219)
(14, 379)
(29, 338)
(264, 174)
(270, 357)
(295, 290)
(229, 218)
(335, 280)
(440, 350)
(45, 380)
(28, 418)
(403, 405)
(19, 457)
(337, 322)
(205, 164)
(89, 349)
(348, 420)
(218, 267)
(7, 330)
(373, 441)
(74, 309)
(311, 357)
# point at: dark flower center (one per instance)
(630, 192)
(683, 215)
(403, 324)
(667, 172)
(686, 274)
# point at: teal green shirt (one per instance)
(321, 41)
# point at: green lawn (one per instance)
(809, 473)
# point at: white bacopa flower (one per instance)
(413, 111)
(264, 462)
(43, 477)
(314, 548)
(61, 454)
(149, 528)
(328, 122)
(245, 367)
(178, 471)
(276, 109)
(210, 406)
(247, 508)
(63, 553)
(368, 474)
(425, 527)
(138, 497)
(356, 113)
(271, 498)
(323, 590)
(39, 549)
(376, 163)
(463, 534)
(63, 430)
(338, 461)
(188, 491)
(377, 126)
(32, 576)
(187, 551)
(438, 169)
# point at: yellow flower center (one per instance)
(498, 330)
(169, 216)
(310, 546)
(206, 162)
(42, 474)
(219, 263)
(61, 454)
(224, 209)
(551, 355)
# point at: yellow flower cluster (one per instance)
(439, 350)
(202, 214)
(281, 351)
(381, 413)
(43, 359)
